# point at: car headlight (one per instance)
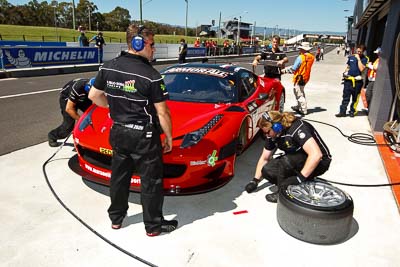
(194, 137)
(87, 120)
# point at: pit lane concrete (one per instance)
(37, 231)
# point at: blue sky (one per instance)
(310, 15)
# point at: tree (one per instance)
(4, 11)
(118, 19)
(83, 10)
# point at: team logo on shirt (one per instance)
(162, 86)
(129, 86)
(301, 134)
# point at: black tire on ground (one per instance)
(315, 212)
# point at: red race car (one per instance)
(214, 111)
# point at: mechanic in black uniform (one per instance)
(306, 155)
(73, 96)
(274, 58)
(136, 96)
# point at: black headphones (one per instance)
(138, 40)
(276, 126)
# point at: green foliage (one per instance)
(32, 33)
(54, 22)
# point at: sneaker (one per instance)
(352, 115)
(273, 198)
(340, 115)
(53, 143)
(166, 227)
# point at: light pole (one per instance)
(265, 29)
(140, 8)
(54, 4)
(187, 6)
(73, 14)
(90, 26)
(238, 31)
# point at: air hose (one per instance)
(361, 139)
(78, 218)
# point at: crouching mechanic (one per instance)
(306, 155)
(73, 96)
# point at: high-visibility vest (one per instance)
(372, 72)
(303, 72)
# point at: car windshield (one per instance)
(192, 87)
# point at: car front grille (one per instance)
(104, 161)
(95, 158)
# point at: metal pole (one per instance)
(238, 31)
(187, 4)
(219, 26)
(73, 14)
(140, 7)
(90, 26)
(55, 23)
(265, 29)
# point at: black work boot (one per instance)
(273, 197)
(53, 143)
(340, 115)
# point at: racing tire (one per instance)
(243, 139)
(315, 212)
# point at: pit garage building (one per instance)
(377, 23)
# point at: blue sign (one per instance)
(248, 50)
(27, 57)
(196, 52)
(29, 43)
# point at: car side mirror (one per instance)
(263, 96)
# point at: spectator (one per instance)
(301, 70)
(305, 153)
(353, 81)
(197, 42)
(83, 40)
(321, 53)
(318, 54)
(73, 97)
(99, 43)
(226, 46)
(274, 58)
(372, 69)
(182, 51)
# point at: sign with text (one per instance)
(28, 57)
(31, 43)
(196, 52)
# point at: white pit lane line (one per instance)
(30, 93)
(8, 79)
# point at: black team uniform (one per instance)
(133, 86)
(74, 91)
(270, 68)
(290, 141)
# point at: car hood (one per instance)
(188, 116)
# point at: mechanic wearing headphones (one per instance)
(73, 96)
(306, 155)
(136, 95)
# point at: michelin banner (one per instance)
(28, 57)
